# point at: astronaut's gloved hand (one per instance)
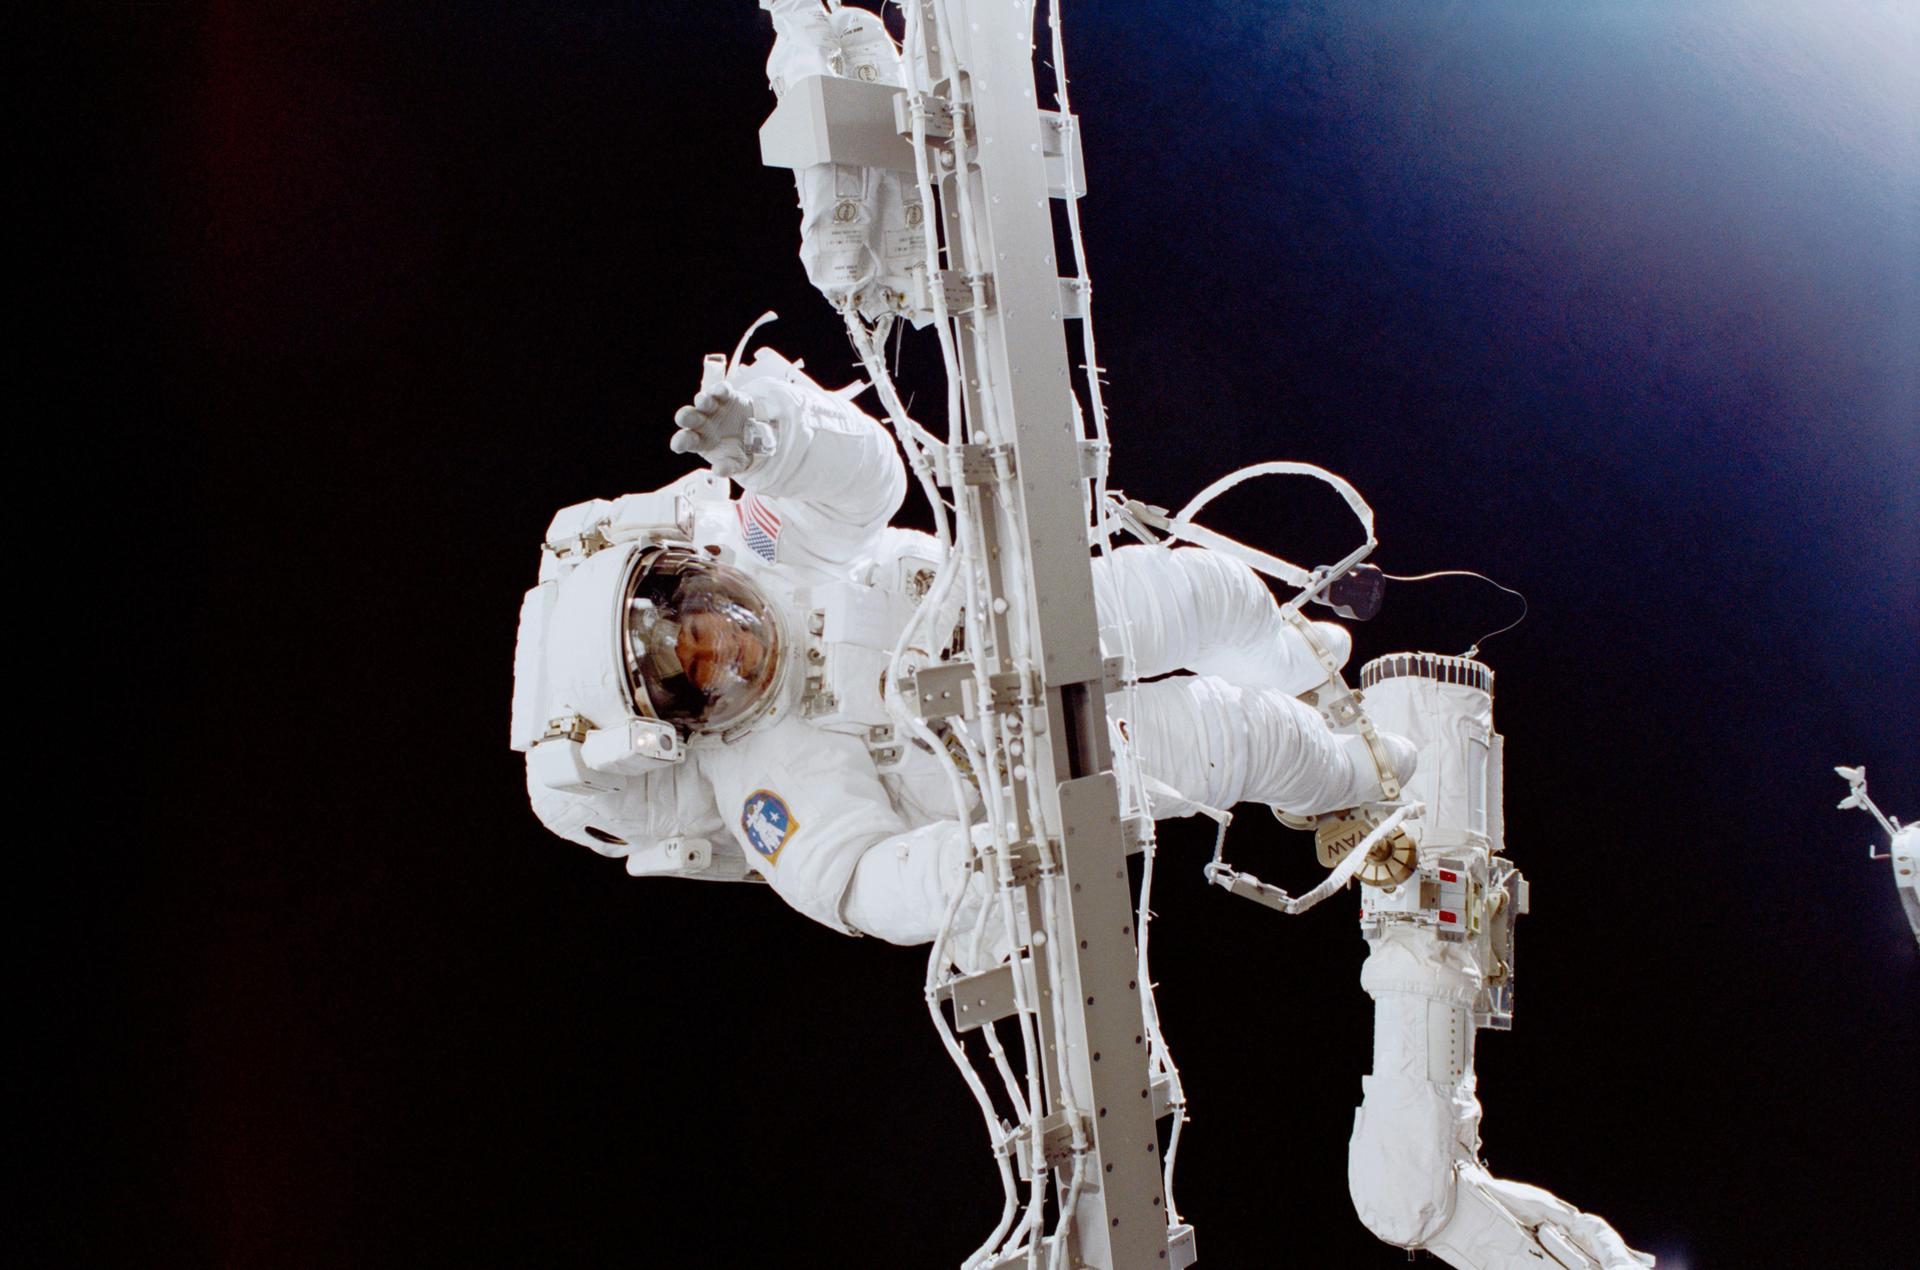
(719, 426)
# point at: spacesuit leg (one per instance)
(1199, 610)
(1413, 1160)
(1219, 743)
(1232, 732)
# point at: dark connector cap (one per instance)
(1357, 595)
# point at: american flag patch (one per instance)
(760, 526)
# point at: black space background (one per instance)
(1615, 303)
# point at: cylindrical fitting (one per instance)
(1444, 705)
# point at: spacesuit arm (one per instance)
(834, 478)
(808, 809)
(903, 888)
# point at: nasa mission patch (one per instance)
(768, 823)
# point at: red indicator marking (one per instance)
(1448, 915)
(1449, 877)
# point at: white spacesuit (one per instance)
(699, 681)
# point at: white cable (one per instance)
(996, 798)
(1474, 648)
(957, 562)
(904, 428)
(1311, 584)
(1280, 467)
(971, 264)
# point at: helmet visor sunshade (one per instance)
(700, 640)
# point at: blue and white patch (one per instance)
(768, 823)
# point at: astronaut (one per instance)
(700, 681)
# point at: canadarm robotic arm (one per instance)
(1441, 967)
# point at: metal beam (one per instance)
(1036, 551)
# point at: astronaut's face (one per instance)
(702, 642)
(718, 650)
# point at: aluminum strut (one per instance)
(1034, 523)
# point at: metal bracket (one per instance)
(1181, 1252)
(983, 998)
(1093, 459)
(1073, 299)
(939, 118)
(1056, 1144)
(1066, 165)
(1023, 862)
(979, 463)
(1162, 1086)
(1339, 706)
(940, 691)
(948, 689)
(957, 289)
(1006, 689)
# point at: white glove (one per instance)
(719, 426)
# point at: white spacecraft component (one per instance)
(1903, 844)
(1441, 966)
